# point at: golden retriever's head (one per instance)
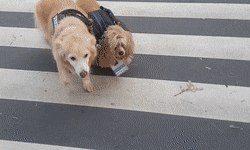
(78, 51)
(121, 44)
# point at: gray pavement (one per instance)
(140, 109)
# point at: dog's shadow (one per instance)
(103, 87)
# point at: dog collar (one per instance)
(101, 20)
(69, 13)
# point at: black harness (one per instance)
(69, 13)
(101, 19)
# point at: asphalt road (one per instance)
(142, 108)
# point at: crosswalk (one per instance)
(151, 44)
(149, 107)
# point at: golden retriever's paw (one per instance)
(88, 86)
(66, 83)
(65, 79)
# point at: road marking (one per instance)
(13, 145)
(153, 9)
(179, 10)
(22, 37)
(156, 96)
(153, 44)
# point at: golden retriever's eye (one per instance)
(72, 58)
(85, 56)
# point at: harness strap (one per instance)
(69, 13)
(102, 19)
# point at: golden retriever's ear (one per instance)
(93, 41)
(58, 45)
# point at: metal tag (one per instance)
(120, 68)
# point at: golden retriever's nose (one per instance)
(83, 74)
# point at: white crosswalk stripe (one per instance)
(28, 146)
(152, 44)
(153, 9)
(147, 95)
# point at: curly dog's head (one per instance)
(121, 44)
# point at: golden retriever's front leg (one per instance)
(63, 73)
(88, 86)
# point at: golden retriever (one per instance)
(117, 45)
(71, 39)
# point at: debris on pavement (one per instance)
(235, 127)
(208, 68)
(190, 87)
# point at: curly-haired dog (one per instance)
(116, 44)
(68, 33)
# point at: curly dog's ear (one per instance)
(105, 55)
(105, 48)
(105, 44)
(130, 42)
